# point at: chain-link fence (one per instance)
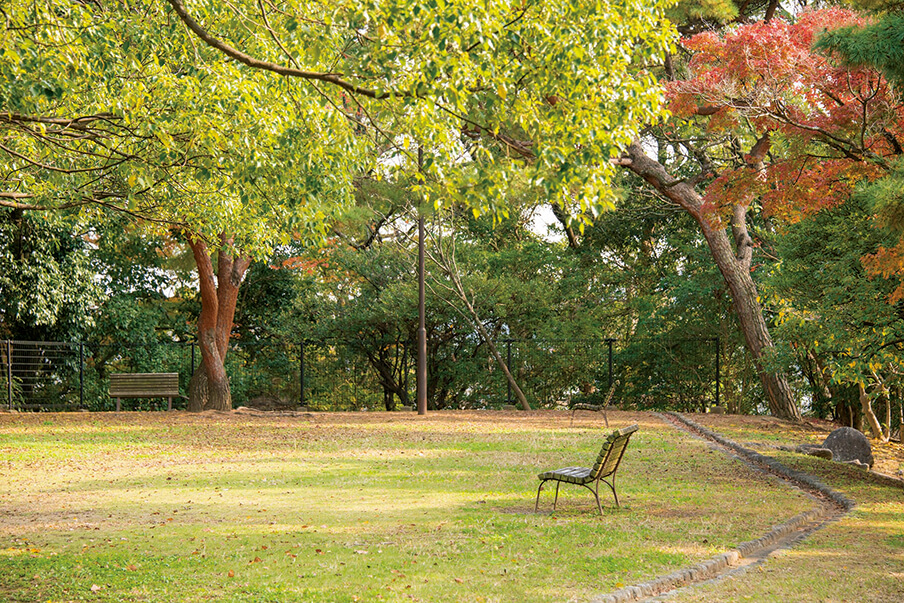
(332, 375)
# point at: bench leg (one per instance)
(612, 487)
(596, 495)
(555, 500)
(537, 504)
(118, 405)
(169, 404)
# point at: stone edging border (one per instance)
(711, 568)
(795, 476)
(885, 479)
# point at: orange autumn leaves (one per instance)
(791, 189)
(832, 126)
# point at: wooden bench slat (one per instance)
(144, 385)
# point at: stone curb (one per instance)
(711, 568)
(796, 476)
(888, 480)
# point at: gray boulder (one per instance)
(848, 444)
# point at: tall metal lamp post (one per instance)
(421, 307)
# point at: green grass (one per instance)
(858, 558)
(355, 507)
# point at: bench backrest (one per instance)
(611, 453)
(144, 385)
(610, 393)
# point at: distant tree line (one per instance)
(266, 186)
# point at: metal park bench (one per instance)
(596, 407)
(605, 467)
(144, 385)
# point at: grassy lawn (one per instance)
(358, 507)
(858, 558)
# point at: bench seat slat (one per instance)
(144, 385)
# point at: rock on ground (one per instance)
(848, 444)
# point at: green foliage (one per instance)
(887, 197)
(480, 91)
(47, 286)
(879, 44)
(826, 303)
(174, 131)
(116, 106)
(688, 12)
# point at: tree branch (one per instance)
(770, 11)
(241, 57)
(53, 168)
(560, 215)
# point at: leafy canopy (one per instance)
(121, 105)
(463, 95)
(115, 105)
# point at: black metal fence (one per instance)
(651, 373)
(330, 375)
(42, 375)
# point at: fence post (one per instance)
(301, 374)
(609, 342)
(718, 368)
(9, 373)
(508, 362)
(81, 375)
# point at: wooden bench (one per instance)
(606, 465)
(144, 385)
(596, 407)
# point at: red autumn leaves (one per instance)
(832, 125)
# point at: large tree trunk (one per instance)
(734, 268)
(209, 386)
(871, 418)
(750, 319)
